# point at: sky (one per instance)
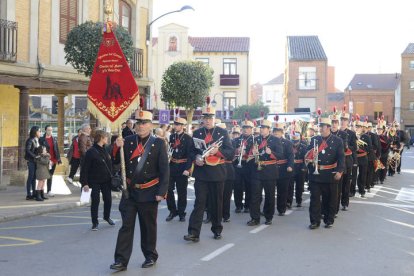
(358, 36)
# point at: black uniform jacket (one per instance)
(97, 167)
(299, 151)
(385, 145)
(286, 159)
(373, 154)
(207, 172)
(345, 139)
(364, 150)
(156, 166)
(268, 172)
(183, 146)
(331, 154)
(352, 145)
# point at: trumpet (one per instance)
(256, 155)
(360, 143)
(170, 152)
(243, 146)
(315, 156)
(217, 144)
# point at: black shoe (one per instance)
(314, 226)
(238, 210)
(363, 196)
(191, 237)
(344, 208)
(148, 263)
(171, 216)
(299, 205)
(118, 266)
(253, 222)
(246, 210)
(42, 195)
(182, 218)
(217, 236)
(95, 226)
(268, 222)
(207, 220)
(289, 205)
(29, 197)
(328, 225)
(110, 221)
(381, 182)
(226, 220)
(281, 214)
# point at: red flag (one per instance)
(112, 89)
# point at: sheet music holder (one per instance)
(200, 143)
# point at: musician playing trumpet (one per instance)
(364, 146)
(210, 175)
(264, 174)
(330, 166)
(385, 148)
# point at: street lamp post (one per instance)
(148, 29)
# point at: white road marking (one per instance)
(405, 194)
(400, 223)
(384, 204)
(288, 212)
(373, 191)
(217, 252)
(258, 229)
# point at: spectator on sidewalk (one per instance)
(32, 143)
(84, 141)
(96, 174)
(74, 157)
(129, 129)
(52, 148)
(43, 164)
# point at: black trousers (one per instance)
(282, 194)
(362, 178)
(203, 190)
(370, 175)
(74, 165)
(329, 194)
(147, 215)
(383, 173)
(269, 187)
(181, 182)
(227, 192)
(345, 184)
(242, 184)
(296, 183)
(49, 181)
(354, 176)
(105, 189)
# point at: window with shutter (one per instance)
(125, 15)
(68, 18)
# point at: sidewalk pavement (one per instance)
(13, 203)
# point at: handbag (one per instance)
(116, 179)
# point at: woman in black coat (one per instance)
(96, 175)
(32, 143)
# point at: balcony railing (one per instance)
(307, 84)
(137, 63)
(8, 40)
(229, 80)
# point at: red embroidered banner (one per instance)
(112, 90)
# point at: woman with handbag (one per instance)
(96, 174)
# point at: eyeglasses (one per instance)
(139, 122)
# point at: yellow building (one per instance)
(32, 59)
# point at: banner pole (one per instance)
(123, 173)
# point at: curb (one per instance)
(48, 209)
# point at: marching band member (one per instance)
(327, 163)
(363, 148)
(350, 159)
(395, 147)
(210, 175)
(181, 154)
(298, 178)
(285, 164)
(402, 137)
(372, 157)
(243, 167)
(264, 174)
(385, 148)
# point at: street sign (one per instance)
(164, 117)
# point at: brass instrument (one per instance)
(360, 143)
(393, 160)
(242, 147)
(217, 144)
(315, 156)
(170, 152)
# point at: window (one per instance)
(307, 78)
(411, 85)
(378, 110)
(125, 15)
(229, 66)
(68, 18)
(229, 100)
(411, 64)
(203, 60)
(308, 103)
(411, 106)
(172, 44)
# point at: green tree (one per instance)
(187, 84)
(254, 111)
(82, 45)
